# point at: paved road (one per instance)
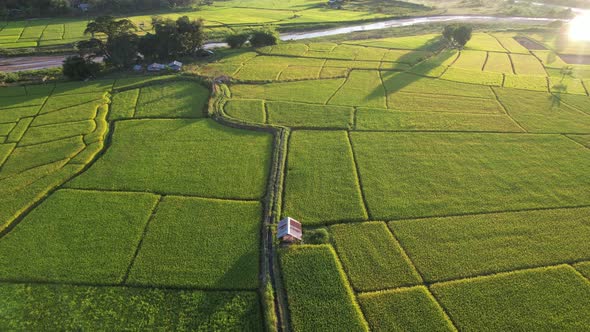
(41, 62)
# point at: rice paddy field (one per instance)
(220, 18)
(453, 187)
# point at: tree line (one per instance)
(36, 8)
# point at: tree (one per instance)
(457, 35)
(120, 47)
(264, 37)
(171, 39)
(237, 40)
(79, 68)
(122, 50)
(462, 35)
(448, 33)
(109, 26)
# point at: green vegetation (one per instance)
(404, 309)
(89, 237)
(401, 179)
(372, 257)
(185, 245)
(378, 119)
(318, 293)
(540, 112)
(174, 100)
(220, 167)
(452, 184)
(64, 307)
(247, 110)
(309, 115)
(321, 184)
(443, 248)
(554, 298)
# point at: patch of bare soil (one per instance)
(575, 59)
(529, 44)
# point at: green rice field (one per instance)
(439, 190)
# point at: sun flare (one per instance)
(580, 27)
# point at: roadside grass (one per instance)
(321, 184)
(363, 88)
(124, 104)
(405, 309)
(380, 119)
(66, 307)
(372, 258)
(318, 294)
(316, 92)
(173, 99)
(540, 112)
(555, 298)
(309, 115)
(467, 246)
(209, 244)
(225, 162)
(76, 237)
(246, 110)
(406, 175)
(499, 63)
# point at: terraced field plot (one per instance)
(454, 193)
(124, 230)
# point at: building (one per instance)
(156, 67)
(175, 65)
(289, 230)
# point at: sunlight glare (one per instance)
(580, 27)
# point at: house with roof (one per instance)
(289, 230)
(156, 67)
(175, 65)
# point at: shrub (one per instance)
(316, 236)
(264, 37)
(78, 68)
(8, 77)
(237, 40)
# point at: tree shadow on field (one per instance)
(395, 81)
(217, 304)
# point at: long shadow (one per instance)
(394, 83)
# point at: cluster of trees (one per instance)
(117, 42)
(34, 8)
(457, 35)
(258, 38)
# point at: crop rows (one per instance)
(143, 220)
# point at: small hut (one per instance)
(175, 65)
(289, 230)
